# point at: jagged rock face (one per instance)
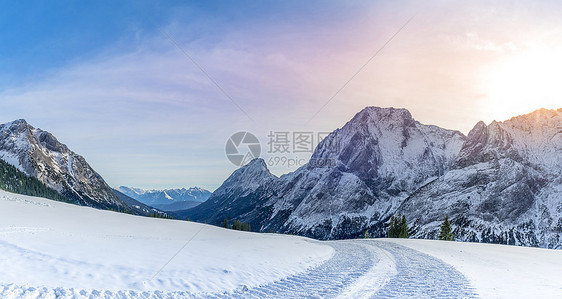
(39, 154)
(389, 150)
(356, 179)
(505, 186)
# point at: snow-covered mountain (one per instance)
(356, 179)
(39, 154)
(241, 193)
(168, 199)
(502, 183)
(505, 185)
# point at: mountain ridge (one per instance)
(384, 162)
(168, 199)
(504, 187)
(356, 162)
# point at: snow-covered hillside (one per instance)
(53, 245)
(498, 271)
(56, 250)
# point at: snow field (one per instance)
(499, 271)
(50, 249)
(53, 245)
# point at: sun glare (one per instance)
(524, 82)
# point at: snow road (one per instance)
(369, 269)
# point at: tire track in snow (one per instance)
(422, 276)
(350, 262)
(358, 269)
(379, 274)
(369, 269)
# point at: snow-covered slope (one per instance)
(158, 198)
(56, 250)
(50, 245)
(39, 154)
(504, 187)
(498, 271)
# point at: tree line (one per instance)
(237, 225)
(15, 181)
(398, 228)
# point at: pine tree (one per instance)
(446, 231)
(403, 228)
(392, 228)
(367, 236)
(239, 225)
(398, 227)
(225, 222)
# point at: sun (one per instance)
(523, 82)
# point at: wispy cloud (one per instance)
(144, 115)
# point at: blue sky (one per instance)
(104, 79)
(38, 36)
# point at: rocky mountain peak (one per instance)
(246, 179)
(383, 144)
(257, 164)
(535, 137)
(250, 175)
(39, 154)
(383, 118)
(504, 186)
(380, 114)
(486, 143)
(15, 127)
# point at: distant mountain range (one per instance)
(502, 183)
(168, 199)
